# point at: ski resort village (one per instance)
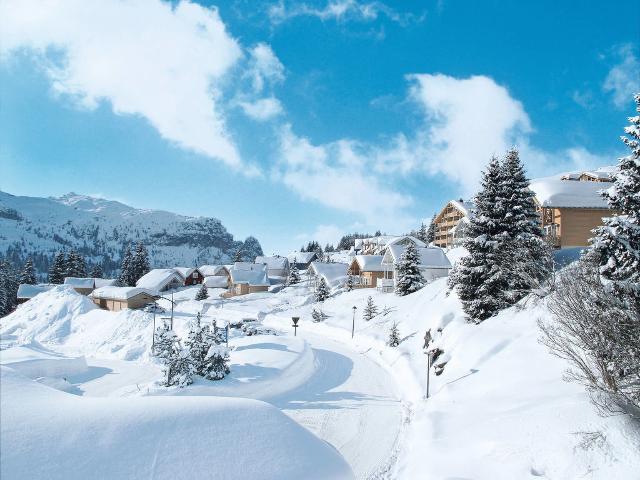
(431, 275)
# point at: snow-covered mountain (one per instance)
(98, 228)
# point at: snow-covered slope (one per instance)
(99, 228)
(51, 434)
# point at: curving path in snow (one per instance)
(352, 403)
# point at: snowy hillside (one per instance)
(99, 228)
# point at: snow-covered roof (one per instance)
(466, 207)
(555, 192)
(158, 278)
(105, 282)
(301, 257)
(30, 291)
(273, 263)
(396, 240)
(249, 273)
(79, 282)
(208, 270)
(333, 273)
(601, 173)
(119, 293)
(369, 263)
(216, 281)
(430, 257)
(186, 271)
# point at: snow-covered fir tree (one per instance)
(139, 264)
(528, 255)
(431, 232)
(618, 241)
(203, 293)
(370, 309)
(251, 249)
(8, 288)
(294, 274)
(216, 364)
(75, 265)
(408, 271)
(125, 278)
(179, 369)
(394, 336)
(479, 278)
(58, 268)
(238, 256)
(28, 274)
(96, 271)
(322, 291)
(163, 342)
(198, 342)
(318, 315)
(350, 285)
(421, 234)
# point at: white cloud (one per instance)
(332, 175)
(264, 67)
(162, 61)
(323, 234)
(340, 10)
(262, 109)
(623, 80)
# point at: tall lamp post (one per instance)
(353, 323)
(295, 325)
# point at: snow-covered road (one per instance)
(350, 402)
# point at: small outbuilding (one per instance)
(366, 270)
(248, 278)
(334, 274)
(27, 291)
(302, 260)
(192, 276)
(83, 286)
(119, 298)
(277, 266)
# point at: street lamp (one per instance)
(353, 323)
(295, 325)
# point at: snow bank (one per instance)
(46, 317)
(34, 361)
(50, 434)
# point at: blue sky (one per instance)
(300, 120)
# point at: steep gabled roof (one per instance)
(249, 273)
(274, 262)
(302, 257)
(158, 278)
(333, 273)
(430, 257)
(208, 270)
(119, 293)
(369, 263)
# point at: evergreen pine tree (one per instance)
(28, 275)
(179, 370)
(370, 310)
(58, 269)
(139, 264)
(394, 336)
(617, 242)
(421, 234)
(216, 364)
(294, 274)
(163, 342)
(431, 232)
(96, 271)
(350, 283)
(203, 293)
(322, 292)
(8, 288)
(125, 278)
(238, 256)
(527, 254)
(479, 277)
(408, 271)
(197, 343)
(75, 265)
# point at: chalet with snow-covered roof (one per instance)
(84, 286)
(247, 278)
(118, 298)
(366, 270)
(27, 291)
(334, 274)
(302, 260)
(434, 264)
(277, 266)
(192, 276)
(216, 276)
(161, 280)
(450, 223)
(571, 206)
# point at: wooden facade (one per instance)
(571, 227)
(364, 278)
(115, 305)
(445, 221)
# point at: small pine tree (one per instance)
(318, 315)
(238, 255)
(294, 274)
(164, 341)
(322, 292)
(96, 271)
(431, 232)
(394, 336)
(408, 271)
(203, 293)
(350, 285)
(370, 310)
(139, 264)
(58, 269)
(8, 288)
(179, 369)
(75, 265)
(197, 343)
(216, 364)
(421, 234)
(125, 278)
(28, 275)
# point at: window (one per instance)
(195, 274)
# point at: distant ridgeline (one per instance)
(98, 229)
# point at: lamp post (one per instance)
(295, 325)
(429, 360)
(353, 323)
